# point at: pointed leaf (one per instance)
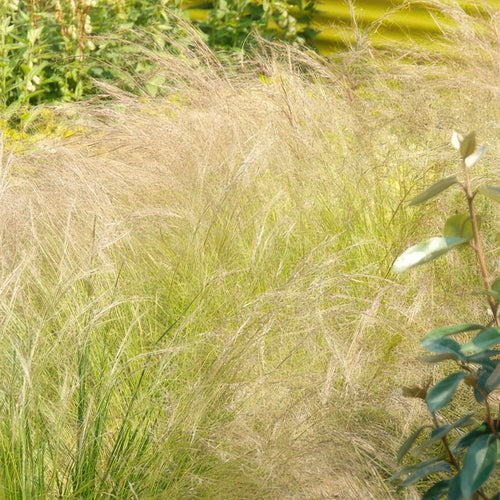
(443, 431)
(478, 395)
(485, 340)
(469, 438)
(495, 290)
(479, 463)
(473, 158)
(468, 145)
(413, 468)
(459, 226)
(445, 345)
(492, 192)
(454, 492)
(425, 469)
(444, 331)
(437, 358)
(494, 379)
(492, 293)
(425, 252)
(405, 447)
(440, 395)
(437, 491)
(483, 358)
(434, 190)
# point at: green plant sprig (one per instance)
(467, 464)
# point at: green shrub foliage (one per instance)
(52, 49)
(230, 22)
(461, 466)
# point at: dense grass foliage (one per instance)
(195, 289)
(54, 51)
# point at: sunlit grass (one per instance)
(195, 292)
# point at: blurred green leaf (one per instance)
(440, 395)
(437, 491)
(425, 469)
(486, 339)
(449, 330)
(434, 190)
(425, 252)
(483, 358)
(154, 84)
(492, 293)
(479, 463)
(459, 226)
(468, 145)
(406, 446)
(469, 438)
(454, 492)
(443, 431)
(445, 345)
(494, 379)
(437, 358)
(492, 192)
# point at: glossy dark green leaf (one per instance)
(494, 379)
(443, 431)
(479, 397)
(438, 491)
(425, 252)
(492, 192)
(468, 145)
(406, 446)
(484, 358)
(434, 190)
(482, 376)
(445, 331)
(440, 394)
(458, 226)
(445, 345)
(425, 469)
(485, 340)
(469, 438)
(454, 492)
(479, 463)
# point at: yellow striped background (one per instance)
(395, 21)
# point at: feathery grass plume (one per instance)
(193, 286)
